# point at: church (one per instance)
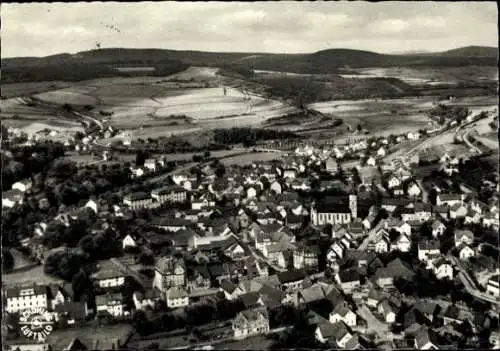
(333, 211)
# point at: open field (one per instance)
(426, 76)
(250, 158)
(28, 88)
(253, 343)
(393, 116)
(103, 337)
(33, 275)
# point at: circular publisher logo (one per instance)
(36, 323)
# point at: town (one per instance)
(250, 176)
(296, 251)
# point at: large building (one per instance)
(22, 298)
(335, 211)
(172, 193)
(169, 271)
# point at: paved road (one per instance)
(258, 256)
(371, 236)
(372, 322)
(469, 284)
(223, 340)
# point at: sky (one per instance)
(36, 29)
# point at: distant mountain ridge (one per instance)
(101, 61)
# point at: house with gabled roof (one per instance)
(438, 228)
(449, 199)
(339, 333)
(465, 252)
(442, 268)
(458, 210)
(251, 322)
(426, 339)
(463, 236)
(428, 249)
(348, 280)
(169, 271)
(343, 313)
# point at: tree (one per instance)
(140, 157)
(359, 128)
(220, 170)
(7, 260)
(81, 285)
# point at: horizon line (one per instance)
(408, 52)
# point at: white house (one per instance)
(414, 190)
(393, 182)
(92, 205)
(18, 299)
(442, 269)
(23, 185)
(371, 161)
(428, 249)
(381, 152)
(438, 228)
(111, 303)
(177, 297)
(343, 313)
(402, 243)
(276, 187)
(463, 236)
(129, 241)
(465, 252)
(385, 309)
(493, 287)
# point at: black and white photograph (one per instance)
(269, 175)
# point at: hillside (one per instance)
(99, 63)
(472, 51)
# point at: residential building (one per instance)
(169, 271)
(463, 236)
(173, 193)
(449, 199)
(386, 310)
(146, 298)
(23, 185)
(426, 339)
(176, 297)
(109, 278)
(428, 249)
(442, 269)
(251, 322)
(465, 252)
(437, 228)
(339, 333)
(348, 280)
(343, 313)
(331, 165)
(493, 286)
(306, 257)
(111, 303)
(21, 298)
(10, 198)
(138, 200)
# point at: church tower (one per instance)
(314, 214)
(353, 205)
